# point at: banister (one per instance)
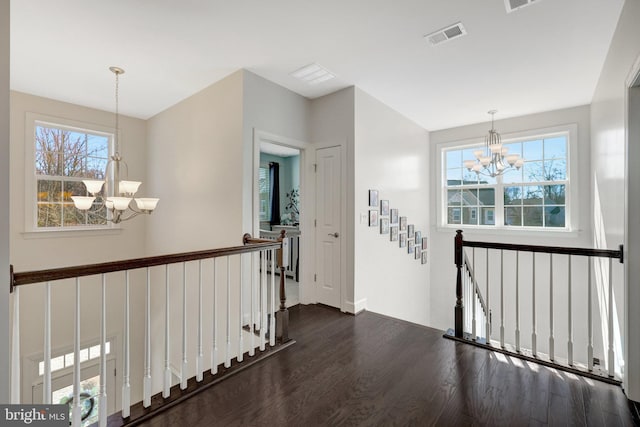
(606, 253)
(49, 275)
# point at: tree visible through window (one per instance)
(534, 196)
(63, 158)
(264, 191)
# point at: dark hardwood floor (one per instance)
(376, 371)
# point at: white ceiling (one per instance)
(542, 57)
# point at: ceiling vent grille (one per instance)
(313, 74)
(512, 5)
(451, 32)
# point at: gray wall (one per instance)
(5, 201)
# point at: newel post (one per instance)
(458, 260)
(282, 316)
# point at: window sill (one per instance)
(75, 232)
(515, 232)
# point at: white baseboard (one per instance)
(355, 307)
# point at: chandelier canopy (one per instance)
(118, 194)
(494, 159)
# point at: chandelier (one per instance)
(494, 159)
(118, 194)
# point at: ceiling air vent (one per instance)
(313, 74)
(446, 34)
(512, 5)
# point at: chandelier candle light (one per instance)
(493, 160)
(118, 194)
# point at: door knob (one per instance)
(336, 235)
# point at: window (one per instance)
(264, 190)
(62, 157)
(536, 196)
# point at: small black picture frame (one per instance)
(403, 223)
(393, 231)
(402, 239)
(373, 198)
(411, 231)
(417, 252)
(393, 216)
(384, 207)
(418, 237)
(373, 218)
(410, 247)
(384, 225)
(424, 257)
(424, 243)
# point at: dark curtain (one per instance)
(274, 180)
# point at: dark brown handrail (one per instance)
(49, 275)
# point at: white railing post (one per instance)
(589, 319)
(76, 411)
(146, 383)
(15, 349)
(272, 330)
(501, 298)
(227, 362)
(551, 339)
(570, 319)
(517, 301)
(534, 347)
(263, 300)
(166, 390)
(487, 314)
(214, 326)
(102, 422)
(199, 356)
(252, 319)
(474, 301)
(46, 389)
(611, 352)
(240, 356)
(126, 386)
(183, 366)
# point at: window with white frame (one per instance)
(62, 157)
(264, 188)
(534, 197)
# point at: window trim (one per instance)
(571, 193)
(31, 181)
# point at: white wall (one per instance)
(608, 179)
(443, 278)
(332, 124)
(5, 200)
(57, 249)
(391, 156)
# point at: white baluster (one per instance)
(589, 319)
(227, 362)
(183, 366)
(534, 347)
(517, 301)
(501, 298)
(199, 356)
(611, 353)
(214, 326)
(551, 340)
(253, 309)
(487, 315)
(263, 300)
(474, 332)
(126, 386)
(15, 349)
(570, 323)
(102, 413)
(241, 322)
(76, 411)
(46, 390)
(146, 384)
(272, 327)
(166, 390)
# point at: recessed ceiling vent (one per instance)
(451, 32)
(512, 5)
(313, 74)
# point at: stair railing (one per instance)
(231, 336)
(473, 303)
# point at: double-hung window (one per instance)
(264, 188)
(534, 197)
(62, 156)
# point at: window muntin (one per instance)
(536, 196)
(63, 157)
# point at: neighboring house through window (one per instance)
(264, 190)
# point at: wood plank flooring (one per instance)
(373, 370)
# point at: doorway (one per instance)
(278, 205)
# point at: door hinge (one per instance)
(315, 222)
(114, 372)
(315, 167)
(315, 277)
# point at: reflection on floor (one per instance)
(291, 291)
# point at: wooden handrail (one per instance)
(49, 275)
(562, 250)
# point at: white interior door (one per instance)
(328, 225)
